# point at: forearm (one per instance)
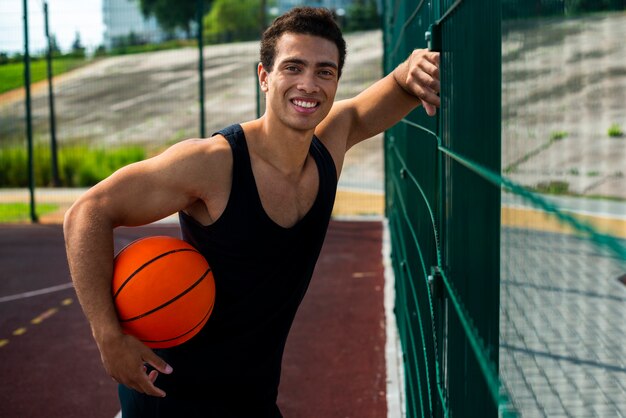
(89, 246)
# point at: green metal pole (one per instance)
(263, 16)
(56, 181)
(200, 13)
(258, 91)
(29, 118)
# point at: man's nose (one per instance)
(308, 83)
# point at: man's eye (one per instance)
(292, 68)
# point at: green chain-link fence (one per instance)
(494, 254)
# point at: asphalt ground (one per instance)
(334, 363)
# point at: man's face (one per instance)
(301, 87)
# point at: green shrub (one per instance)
(558, 135)
(615, 131)
(79, 165)
(553, 187)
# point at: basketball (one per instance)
(163, 290)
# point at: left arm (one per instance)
(385, 103)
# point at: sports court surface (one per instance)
(334, 364)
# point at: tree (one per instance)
(232, 20)
(582, 6)
(54, 46)
(173, 14)
(363, 15)
(78, 50)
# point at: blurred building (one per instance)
(124, 23)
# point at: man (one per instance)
(256, 200)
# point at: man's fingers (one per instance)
(153, 375)
(432, 57)
(432, 71)
(157, 362)
(424, 80)
(430, 109)
(426, 95)
(144, 383)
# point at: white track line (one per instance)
(393, 350)
(32, 293)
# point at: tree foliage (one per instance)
(581, 6)
(363, 15)
(173, 14)
(78, 49)
(233, 20)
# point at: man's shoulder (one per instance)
(200, 157)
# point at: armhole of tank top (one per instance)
(325, 158)
(228, 134)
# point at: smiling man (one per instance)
(255, 200)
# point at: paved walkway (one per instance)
(562, 327)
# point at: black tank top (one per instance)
(262, 271)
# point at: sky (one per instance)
(66, 18)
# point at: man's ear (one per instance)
(263, 78)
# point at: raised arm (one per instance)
(385, 103)
(137, 194)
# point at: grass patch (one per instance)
(558, 135)
(553, 187)
(615, 131)
(79, 165)
(20, 212)
(12, 74)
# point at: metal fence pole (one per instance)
(29, 118)
(258, 91)
(56, 181)
(200, 13)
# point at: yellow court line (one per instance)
(36, 321)
(354, 203)
(19, 331)
(528, 218)
(47, 314)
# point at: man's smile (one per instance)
(305, 105)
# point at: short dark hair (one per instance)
(305, 21)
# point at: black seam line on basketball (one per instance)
(146, 265)
(169, 302)
(185, 333)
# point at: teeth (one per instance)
(304, 104)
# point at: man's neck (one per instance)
(283, 148)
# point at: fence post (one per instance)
(199, 15)
(53, 130)
(29, 117)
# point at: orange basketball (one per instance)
(163, 290)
